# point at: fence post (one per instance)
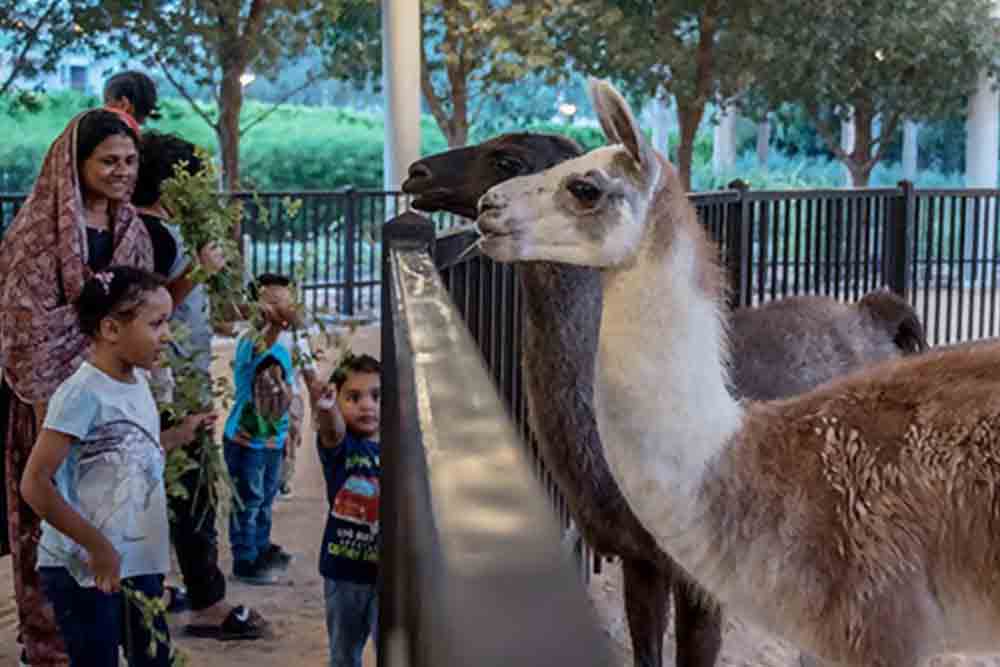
(350, 241)
(408, 230)
(897, 238)
(738, 246)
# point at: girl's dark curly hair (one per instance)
(117, 292)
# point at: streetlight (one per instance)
(567, 110)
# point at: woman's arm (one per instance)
(181, 286)
(37, 489)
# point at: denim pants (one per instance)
(256, 475)
(351, 616)
(94, 624)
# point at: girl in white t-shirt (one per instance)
(95, 476)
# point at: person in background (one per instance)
(192, 524)
(257, 429)
(133, 95)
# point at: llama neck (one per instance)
(664, 409)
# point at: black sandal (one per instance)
(242, 623)
(179, 601)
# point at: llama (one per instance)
(783, 348)
(858, 520)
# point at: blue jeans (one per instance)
(94, 624)
(256, 475)
(351, 616)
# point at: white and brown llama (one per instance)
(860, 520)
(780, 349)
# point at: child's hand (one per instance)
(186, 432)
(326, 396)
(106, 565)
(329, 421)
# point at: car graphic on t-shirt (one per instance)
(357, 501)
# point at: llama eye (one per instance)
(507, 165)
(584, 191)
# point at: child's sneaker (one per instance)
(254, 573)
(275, 557)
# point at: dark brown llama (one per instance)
(782, 348)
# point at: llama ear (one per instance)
(619, 124)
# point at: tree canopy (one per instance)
(34, 35)
(873, 63)
(221, 45)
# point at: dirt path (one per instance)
(295, 608)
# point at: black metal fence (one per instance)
(938, 247)
(471, 572)
(331, 241)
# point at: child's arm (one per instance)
(37, 489)
(185, 432)
(329, 421)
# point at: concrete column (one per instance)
(724, 146)
(401, 87)
(847, 144)
(763, 141)
(911, 133)
(982, 136)
(659, 115)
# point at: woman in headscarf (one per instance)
(76, 221)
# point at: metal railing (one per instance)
(471, 572)
(940, 248)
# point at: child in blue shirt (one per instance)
(347, 417)
(95, 476)
(257, 429)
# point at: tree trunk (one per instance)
(860, 163)
(763, 141)
(456, 130)
(688, 118)
(228, 129)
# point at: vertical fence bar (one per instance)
(350, 232)
(738, 246)
(896, 235)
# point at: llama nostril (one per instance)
(419, 173)
(490, 202)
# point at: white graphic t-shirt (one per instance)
(113, 475)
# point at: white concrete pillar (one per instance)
(847, 144)
(763, 141)
(911, 133)
(982, 136)
(401, 87)
(724, 145)
(659, 115)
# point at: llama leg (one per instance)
(697, 625)
(647, 594)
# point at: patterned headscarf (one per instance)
(43, 261)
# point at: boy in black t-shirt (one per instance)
(347, 416)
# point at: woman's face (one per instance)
(110, 171)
